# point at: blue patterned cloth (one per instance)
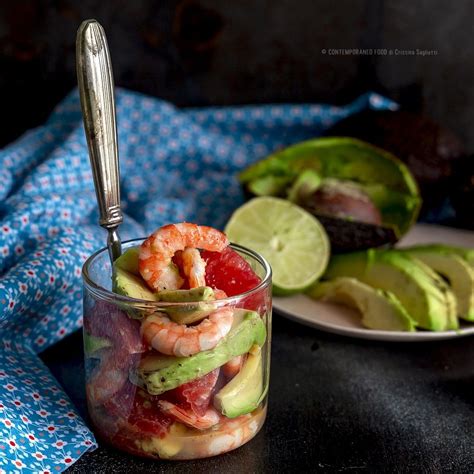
(175, 165)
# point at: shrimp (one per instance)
(180, 340)
(208, 420)
(232, 368)
(194, 267)
(107, 381)
(219, 294)
(156, 252)
(232, 434)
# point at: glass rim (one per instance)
(111, 297)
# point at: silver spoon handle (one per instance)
(96, 90)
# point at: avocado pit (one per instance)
(345, 200)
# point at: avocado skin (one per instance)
(400, 274)
(350, 236)
(380, 309)
(183, 369)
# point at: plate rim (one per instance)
(374, 334)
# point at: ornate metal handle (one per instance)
(96, 90)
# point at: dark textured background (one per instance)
(199, 52)
(336, 405)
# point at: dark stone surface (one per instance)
(336, 405)
(198, 52)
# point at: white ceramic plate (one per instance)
(342, 320)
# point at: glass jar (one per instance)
(167, 407)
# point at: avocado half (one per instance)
(379, 174)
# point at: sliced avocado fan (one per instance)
(380, 309)
(417, 290)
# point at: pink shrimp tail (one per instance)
(232, 368)
(189, 418)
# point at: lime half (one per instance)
(292, 240)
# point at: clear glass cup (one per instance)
(158, 406)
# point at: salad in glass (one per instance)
(177, 343)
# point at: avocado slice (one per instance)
(466, 254)
(175, 371)
(93, 344)
(416, 289)
(450, 298)
(458, 273)
(197, 308)
(380, 309)
(168, 446)
(269, 185)
(353, 160)
(128, 261)
(201, 293)
(305, 184)
(243, 393)
(128, 284)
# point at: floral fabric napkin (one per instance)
(175, 165)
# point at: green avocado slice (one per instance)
(457, 272)
(201, 293)
(175, 371)
(304, 185)
(465, 253)
(418, 290)
(380, 309)
(128, 284)
(196, 308)
(93, 344)
(243, 393)
(128, 261)
(443, 286)
(269, 185)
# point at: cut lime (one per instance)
(292, 240)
